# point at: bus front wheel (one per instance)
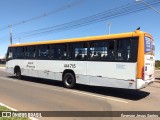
(69, 80)
(18, 74)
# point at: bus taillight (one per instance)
(143, 73)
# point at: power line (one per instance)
(75, 3)
(116, 12)
(148, 5)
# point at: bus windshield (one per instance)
(149, 45)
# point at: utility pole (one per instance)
(19, 40)
(109, 28)
(10, 28)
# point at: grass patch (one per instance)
(2, 108)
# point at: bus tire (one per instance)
(18, 73)
(69, 80)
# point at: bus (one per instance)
(124, 60)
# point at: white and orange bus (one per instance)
(123, 60)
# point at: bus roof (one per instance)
(91, 38)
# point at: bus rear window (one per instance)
(149, 45)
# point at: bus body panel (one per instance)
(143, 83)
(149, 67)
(112, 74)
(49, 69)
(107, 74)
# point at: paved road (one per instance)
(44, 95)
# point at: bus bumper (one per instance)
(144, 83)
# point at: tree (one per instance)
(157, 63)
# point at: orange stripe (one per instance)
(104, 37)
(140, 61)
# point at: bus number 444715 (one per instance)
(70, 65)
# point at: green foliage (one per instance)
(157, 64)
(4, 108)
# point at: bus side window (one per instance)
(110, 50)
(120, 50)
(15, 53)
(70, 51)
(43, 52)
(92, 50)
(97, 51)
(26, 53)
(134, 49)
(52, 52)
(18, 53)
(64, 52)
(80, 51)
(128, 50)
(10, 53)
(123, 50)
(31, 52)
(59, 51)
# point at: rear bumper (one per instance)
(144, 83)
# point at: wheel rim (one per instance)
(68, 80)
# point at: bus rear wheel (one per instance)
(69, 80)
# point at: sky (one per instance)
(15, 11)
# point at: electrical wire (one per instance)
(115, 12)
(75, 3)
